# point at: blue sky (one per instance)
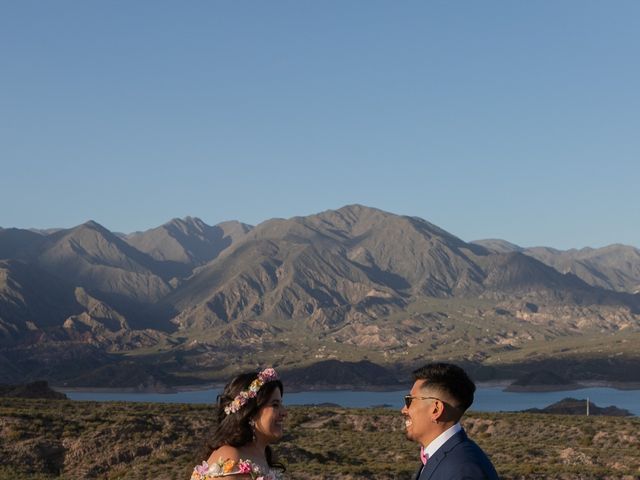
(496, 119)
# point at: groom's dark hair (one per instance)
(451, 379)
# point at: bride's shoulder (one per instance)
(225, 452)
(220, 468)
(225, 461)
(242, 469)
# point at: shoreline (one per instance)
(505, 385)
(166, 390)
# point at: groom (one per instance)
(442, 392)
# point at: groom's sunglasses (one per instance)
(409, 398)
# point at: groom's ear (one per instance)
(437, 411)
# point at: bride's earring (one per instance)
(252, 424)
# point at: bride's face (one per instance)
(270, 418)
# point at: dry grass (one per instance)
(62, 439)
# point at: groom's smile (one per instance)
(417, 412)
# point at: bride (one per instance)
(250, 417)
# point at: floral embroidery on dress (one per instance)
(224, 468)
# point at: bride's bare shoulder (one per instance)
(223, 462)
(224, 453)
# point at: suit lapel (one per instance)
(419, 472)
(432, 462)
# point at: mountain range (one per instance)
(615, 267)
(186, 302)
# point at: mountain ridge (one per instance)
(613, 267)
(189, 300)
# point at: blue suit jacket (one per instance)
(458, 459)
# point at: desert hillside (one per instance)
(49, 439)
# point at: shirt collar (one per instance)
(441, 439)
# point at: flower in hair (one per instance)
(265, 376)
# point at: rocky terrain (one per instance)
(573, 406)
(614, 267)
(31, 390)
(188, 303)
(48, 439)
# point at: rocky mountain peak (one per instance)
(351, 281)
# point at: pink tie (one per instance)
(423, 456)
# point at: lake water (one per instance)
(487, 399)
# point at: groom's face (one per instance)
(418, 415)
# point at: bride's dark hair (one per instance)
(234, 429)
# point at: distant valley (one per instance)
(188, 303)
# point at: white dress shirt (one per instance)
(441, 439)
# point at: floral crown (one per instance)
(265, 376)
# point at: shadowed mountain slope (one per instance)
(334, 373)
(31, 301)
(516, 275)
(92, 257)
(326, 267)
(16, 243)
(37, 307)
(187, 242)
(360, 263)
(343, 284)
(615, 267)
